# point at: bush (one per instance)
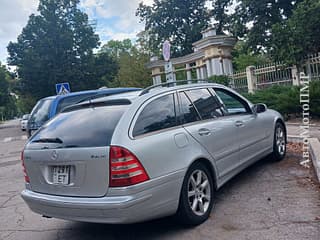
(283, 99)
(286, 99)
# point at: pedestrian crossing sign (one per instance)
(62, 88)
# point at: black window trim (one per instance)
(142, 107)
(179, 101)
(213, 94)
(240, 99)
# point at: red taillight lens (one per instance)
(125, 168)
(26, 178)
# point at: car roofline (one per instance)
(88, 91)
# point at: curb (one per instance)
(314, 148)
(315, 155)
(294, 138)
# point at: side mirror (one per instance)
(259, 108)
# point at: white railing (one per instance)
(264, 76)
(239, 81)
(273, 74)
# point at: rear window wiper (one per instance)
(48, 140)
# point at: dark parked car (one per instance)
(47, 108)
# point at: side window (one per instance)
(206, 104)
(232, 103)
(158, 114)
(187, 110)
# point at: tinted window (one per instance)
(206, 104)
(187, 110)
(232, 103)
(88, 127)
(41, 111)
(67, 101)
(158, 114)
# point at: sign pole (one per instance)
(168, 67)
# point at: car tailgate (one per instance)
(82, 172)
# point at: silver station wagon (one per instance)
(147, 154)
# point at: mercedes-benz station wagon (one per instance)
(147, 154)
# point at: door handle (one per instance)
(204, 132)
(239, 123)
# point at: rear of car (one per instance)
(24, 122)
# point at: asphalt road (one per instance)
(267, 201)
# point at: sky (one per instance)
(115, 19)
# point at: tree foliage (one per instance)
(7, 101)
(253, 20)
(299, 35)
(179, 21)
(131, 60)
(243, 58)
(57, 46)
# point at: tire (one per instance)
(196, 197)
(279, 143)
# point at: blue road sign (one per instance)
(62, 88)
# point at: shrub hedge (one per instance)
(286, 99)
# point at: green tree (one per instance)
(7, 101)
(299, 35)
(131, 60)
(243, 58)
(116, 47)
(179, 21)
(253, 20)
(221, 15)
(55, 46)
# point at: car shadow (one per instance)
(164, 228)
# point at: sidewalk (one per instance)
(294, 130)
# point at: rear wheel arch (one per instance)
(279, 120)
(209, 166)
(191, 213)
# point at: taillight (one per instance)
(125, 168)
(26, 178)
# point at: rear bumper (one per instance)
(158, 198)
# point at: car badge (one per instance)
(54, 155)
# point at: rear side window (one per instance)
(188, 113)
(88, 127)
(157, 115)
(206, 104)
(67, 101)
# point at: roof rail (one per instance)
(173, 83)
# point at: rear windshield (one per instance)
(88, 127)
(40, 112)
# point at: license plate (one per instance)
(61, 175)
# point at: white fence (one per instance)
(260, 77)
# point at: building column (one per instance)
(203, 72)
(208, 66)
(156, 79)
(156, 75)
(198, 73)
(227, 66)
(189, 74)
(216, 66)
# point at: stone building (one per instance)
(211, 56)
